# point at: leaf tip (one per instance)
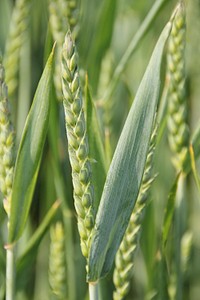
(53, 48)
(56, 204)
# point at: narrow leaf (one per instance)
(134, 43)
(124, 176)
(169, 212)
(97, 152)
(29, 154)
(30, 251)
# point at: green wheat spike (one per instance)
(124, 260)
(72, 16)
(58, 29)
(16, 37)
(106, 106)
(104, 79)
(6, 143)
(77, 143)
(61, 17)
(58, 24)
(57, 264)
(177, 106)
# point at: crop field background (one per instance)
(109, 46)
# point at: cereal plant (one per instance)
(99, 149)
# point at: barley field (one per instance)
(99, 150)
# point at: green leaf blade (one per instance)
(125, 174)
(27, 257)
(29, 154)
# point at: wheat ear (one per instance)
(61, 18)
(7, 137)
(177, 106)
(72, 15)
(58, 28)
(124, 260)
(16, 37)
(106, 106)
(57, 264)
(77, 142)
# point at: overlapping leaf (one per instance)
(29, 154)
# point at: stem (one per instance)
(10, 273)
(93, 291)
(144, 28)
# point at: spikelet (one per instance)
(177, 107)
(57, 265)
(6, 143)
(18, 27)
(77, 143)
(125, 254)
(61, 18)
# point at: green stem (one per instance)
(93, 291)
(10, 273)
(144, 28)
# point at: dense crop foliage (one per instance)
(99, 149)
